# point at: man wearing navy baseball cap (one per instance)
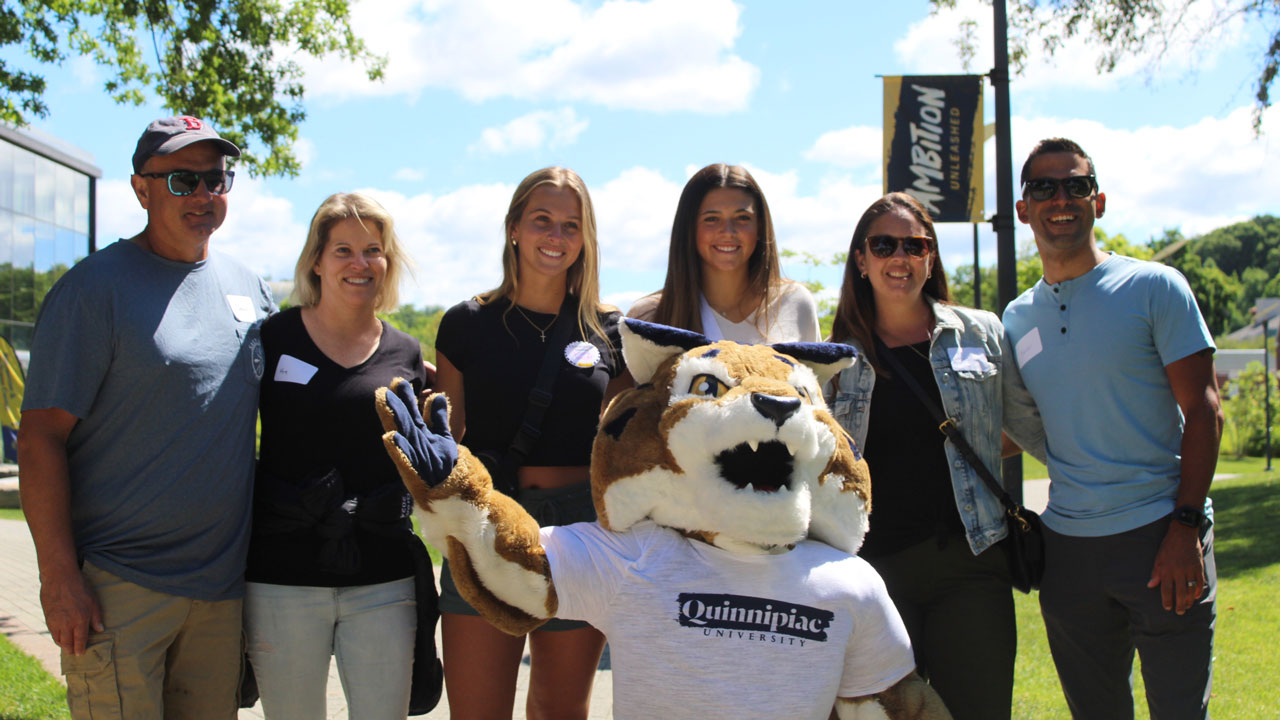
(136, 446)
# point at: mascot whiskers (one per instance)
(721, 567)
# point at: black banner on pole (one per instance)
(933, 143)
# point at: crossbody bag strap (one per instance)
(947, 427)
(540, 396)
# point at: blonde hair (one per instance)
(583, 278)
(335, 209)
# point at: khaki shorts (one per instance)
(161, 656)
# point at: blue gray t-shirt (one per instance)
(1092, 352)
(160, 361)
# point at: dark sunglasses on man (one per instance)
(1077, 186)
(185, 182)
(883, 246)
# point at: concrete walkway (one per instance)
(22, 621)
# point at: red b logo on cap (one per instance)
(192, 123)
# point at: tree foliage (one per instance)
(1244, 406)
(1134, 28)
(1229, 268)
(227, 61)
(421, 324)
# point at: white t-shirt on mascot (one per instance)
(757, 636)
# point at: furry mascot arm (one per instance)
(492, 544)
(910, 698)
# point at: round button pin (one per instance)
(582, 354)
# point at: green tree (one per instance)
(1133, 28)
(228, 61)
(826, 307)
(1120, 244)
(1029, 270)
(421, 324)
(1228, 268)
(1244, 407)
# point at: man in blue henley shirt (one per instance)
(1119, 362)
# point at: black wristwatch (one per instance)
(1191, 517)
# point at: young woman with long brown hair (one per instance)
(723, 275)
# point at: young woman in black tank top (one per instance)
(489, 351)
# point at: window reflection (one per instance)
(24, 182)
(44, 229)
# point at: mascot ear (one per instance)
(645, 346)
(824, 359)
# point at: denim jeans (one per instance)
(292, 631)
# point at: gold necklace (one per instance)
(542, 331)
(909, 345)
(913, 349)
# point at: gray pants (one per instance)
(1097, 609)
(958, 610)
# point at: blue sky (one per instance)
(636, 96)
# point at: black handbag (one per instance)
(1024, 544)
(503, 468)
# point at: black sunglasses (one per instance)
(185, 182)
(1077, 186)
(883, 246)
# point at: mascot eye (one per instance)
(804, 394)
(708, 386)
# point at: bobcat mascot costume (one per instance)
(721, 568)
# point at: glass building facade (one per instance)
(47, 195)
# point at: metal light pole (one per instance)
(1006, 252)
(1266, 384)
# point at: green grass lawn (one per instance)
(1033, 469)
(27, 692)
(1247, 549)
(11, 514)
(1246, 664)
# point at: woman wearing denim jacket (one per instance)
(934, 524)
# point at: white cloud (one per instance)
(409, 175)
(858, 146)
(931, 46)
(305, 150)
(455, 239)
(553, 128)
(633, 218)
(1197, 177)
(659, 55)
(260, 230)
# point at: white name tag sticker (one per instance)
(292, 370)
(971, 359)
(1028, 347)
(242, 308)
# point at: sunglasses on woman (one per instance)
(1077, 186)
(883, 246)
(185, 182)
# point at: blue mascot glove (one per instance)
(429, 448)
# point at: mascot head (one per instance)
(730, 443)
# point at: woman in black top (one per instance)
(332, 556)
(935, 527)
(490, 350)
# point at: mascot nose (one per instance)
(777, 409)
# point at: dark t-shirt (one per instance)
(499, 362)
(911, 495)
(311, 425)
